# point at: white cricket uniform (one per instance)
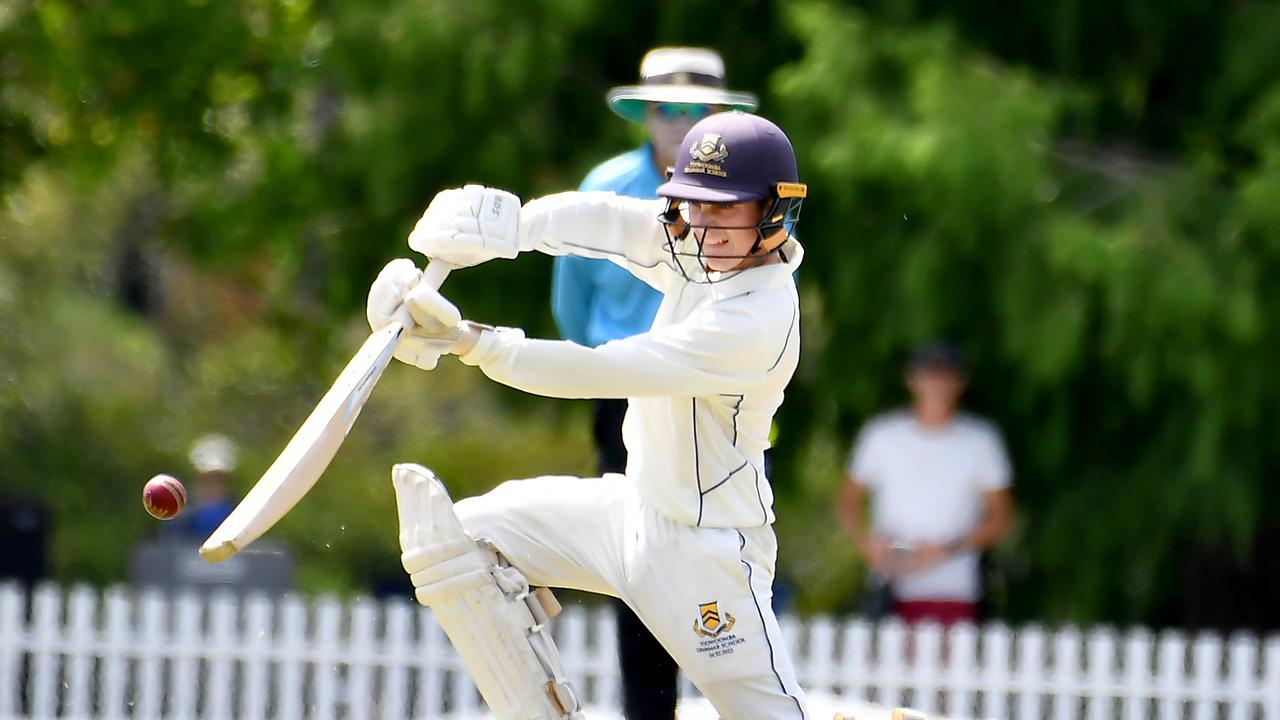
(685, 536)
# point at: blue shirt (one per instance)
(595, 301)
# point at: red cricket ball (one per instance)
(164, 497)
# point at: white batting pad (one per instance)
(495, 621)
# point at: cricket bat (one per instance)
(313, 446)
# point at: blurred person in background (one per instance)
(595, 301)
(25, 526)
(939, 484)
(214, 458)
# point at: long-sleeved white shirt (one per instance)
(702, 385)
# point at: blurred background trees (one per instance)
(1085, 195)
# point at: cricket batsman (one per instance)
(684, 536)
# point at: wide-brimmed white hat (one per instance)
(678, 75)
(214, 453)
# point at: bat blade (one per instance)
(308, 452)
(313, 446)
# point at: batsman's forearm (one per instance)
(562, 369)
(599, 225)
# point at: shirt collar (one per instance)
(763, 277)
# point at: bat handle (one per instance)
(435, 273)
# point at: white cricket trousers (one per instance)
(703, 592)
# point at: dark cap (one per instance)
(937, 355)
(732, 157)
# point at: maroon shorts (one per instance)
(943, 612)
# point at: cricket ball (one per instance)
(164, 497)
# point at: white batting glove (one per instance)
(438, 324)
(386, 294)
(387, 303)
(470, 225)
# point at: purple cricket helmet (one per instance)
(732, 157)
(727, 158)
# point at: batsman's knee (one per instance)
(495, 620)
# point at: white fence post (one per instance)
(1172, 673)
(221, 641)
(1139, 672)
(361, 660)
(1271, 680)
(328, 628)
(570, 632)
(82, 608)
(1100, 651)
(397, 640)
(188, 649)
(117, 637)
(856, 661)
(1243, 672)
(607, 689)
(928, 661)
(816, 666)
(1030, 677)
(1066, 676)
(42, 680)
(13, 603)
(256, 668)
(962, 670)
(891, 652)
(995, 672)
(433, 667)
(291, 671)
(1206, 660)
(152, 645)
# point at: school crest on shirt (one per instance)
(710, 622)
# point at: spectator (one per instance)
(25, 526)
(595, 301)
(938, 480)
(214, 459)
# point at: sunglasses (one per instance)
(672, 111)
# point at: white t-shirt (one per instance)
(927, 486)
(702, 384)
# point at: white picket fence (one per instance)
(118, 654)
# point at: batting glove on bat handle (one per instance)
(387, 294)
(413, 348)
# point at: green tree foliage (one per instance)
(197, 193)
(1115, 309)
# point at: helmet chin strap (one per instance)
(765, 245)
(769, 243)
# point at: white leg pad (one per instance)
(495, 621)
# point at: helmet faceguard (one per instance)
(778, 218)
(727, 159)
